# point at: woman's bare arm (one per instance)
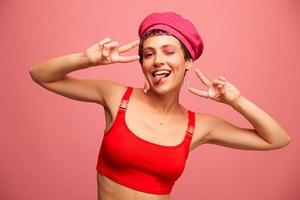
(56, 68)
(266, 134)
(52, 74)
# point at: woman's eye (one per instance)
(148, 55)
(169, 52)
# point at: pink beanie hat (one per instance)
(179, 27)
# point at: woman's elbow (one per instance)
(288, 140)
(283, 143)
(35, 75)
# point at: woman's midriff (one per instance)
(111, 190)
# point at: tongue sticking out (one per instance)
(158, 78)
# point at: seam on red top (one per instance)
(191, 126)
(125, 99)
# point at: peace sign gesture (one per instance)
(219, 89)
(108, 52)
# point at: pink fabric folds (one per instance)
(178, 26)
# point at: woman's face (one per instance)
(163, 62)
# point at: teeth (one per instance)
(160, 72)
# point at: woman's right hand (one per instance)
(108, 52)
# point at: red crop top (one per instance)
(139, 164)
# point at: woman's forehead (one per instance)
(160, 41)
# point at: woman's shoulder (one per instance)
(206, 122)
(120, 88)
(205, 119)
(198, 115)
(116, 90)
(111, 91)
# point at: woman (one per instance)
(148, 133)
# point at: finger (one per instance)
(126, 59)
(104, 41)
(202, 78)
(129, 46)
(222, 91)
(218, 82)
(107, 48)
(220, 86)
(111, 44)
(200, 93)
(222, 78)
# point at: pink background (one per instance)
(49, 144)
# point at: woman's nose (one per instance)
(159, 60)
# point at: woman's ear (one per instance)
(189, 64)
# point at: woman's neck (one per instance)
(164, 104)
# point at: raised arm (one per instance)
(52, 74)
(266, 134)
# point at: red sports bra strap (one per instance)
(191, 125)
(125, 98)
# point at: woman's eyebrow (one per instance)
(164, 46)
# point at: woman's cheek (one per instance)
(145, 63)
(175, 63)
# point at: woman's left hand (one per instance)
(219, 89)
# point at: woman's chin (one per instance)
(161, 88)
